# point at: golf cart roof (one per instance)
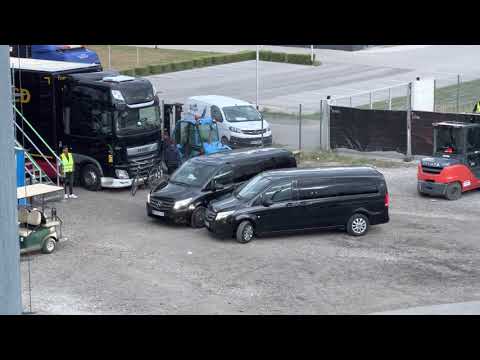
(456, 124)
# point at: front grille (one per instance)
(210, 216)
(142, 164)
(162, 204)
(254, 132)
(431, 170)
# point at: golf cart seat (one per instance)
(29, 220)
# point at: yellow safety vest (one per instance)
(67, 163)
(477, 107)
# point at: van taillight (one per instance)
(387, 199)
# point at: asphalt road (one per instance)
(119, 261)
(283, 87)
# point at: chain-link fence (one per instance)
(295, 127)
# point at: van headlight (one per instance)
(182, 203)
(224, 215)
(234, 129)
(122, 174)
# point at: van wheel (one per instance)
(90, 177)
(454, 191)
(357, 225)
(245, 232)
(198, 217)
(224, 140)
(49, 246)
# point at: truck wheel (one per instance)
(454, 191)
(357, 225)
(198, 217)
(245, 232)
(49, 246)
(90, 177)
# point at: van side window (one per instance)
(216, 113)
(279, 192)
(316, 189)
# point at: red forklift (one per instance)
(455, 165)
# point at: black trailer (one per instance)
(111, 122)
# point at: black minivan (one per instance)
(352, 198)
(185, 196)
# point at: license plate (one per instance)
(158, 213)
(256, 142)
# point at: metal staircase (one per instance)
(32, 169)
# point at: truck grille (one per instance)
(142, 164)
(210, 215)
(254, 132)
(431, 170)
(162, 204)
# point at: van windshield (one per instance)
(241, 113)
(252, 188)
(193, 173)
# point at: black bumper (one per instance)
(177, 216)
(221, 228)
(431, 188)
(239, 142)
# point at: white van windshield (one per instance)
(241, 113)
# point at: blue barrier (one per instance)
(20, 157)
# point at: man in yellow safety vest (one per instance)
(67, 170)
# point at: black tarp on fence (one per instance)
(384, 130)
(368, 130)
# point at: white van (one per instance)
(239, 123)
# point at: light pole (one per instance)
(256, 101)
(258, 56)
(312, 54)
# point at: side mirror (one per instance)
(267, 202)
(217, 186)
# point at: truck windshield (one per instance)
(241, 113)
(208, 133)
(252, 188)
(449, 140)
(193, 173)
(131, 121)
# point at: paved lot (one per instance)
(118, 261)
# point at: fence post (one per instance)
(389, 98)
(325, 125)
(434, 97)
(371, 102)
(458, 93)
(138, 56)
(300, 127)
(409, 123)
(351, 102)
(321, 113)
(109, 57)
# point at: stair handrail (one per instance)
(39, 151)
(34, 163)
(36, 133)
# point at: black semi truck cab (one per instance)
(111, 122)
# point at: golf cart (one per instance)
(198, 137)
(455, 165)
(36, 231)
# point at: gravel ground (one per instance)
(119, 261)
